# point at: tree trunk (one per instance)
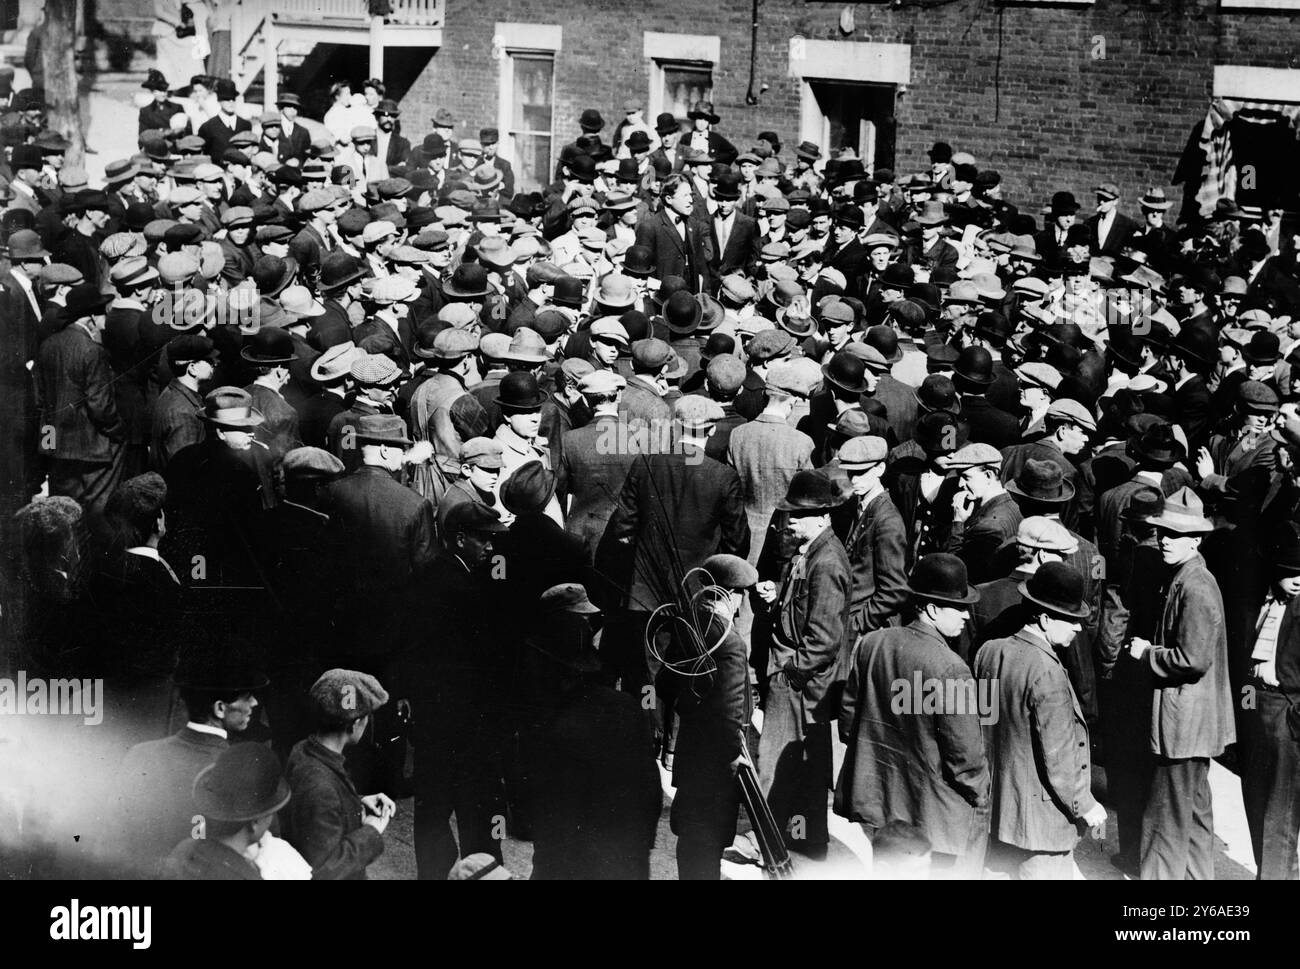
(59, 56)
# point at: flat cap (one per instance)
(470, 516)
(769, 344)
(601, 382)
(1046, 533)
(737, 288)
(346, 695)
(184, 195)
(375, 370)
(177, 267)
(312, 462)
(974, 456)
(730, 571)
(1071, 410)
(726, 373)
(566, 597)
(481, 452)
(800, 376)
(859, 453)
(695, 411)
(121, 244)
(1037, 374)
(61, 274)
(650, 354)
(609, 328)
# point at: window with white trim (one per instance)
(681, 71)
(526, 94)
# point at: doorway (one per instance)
(857, 115)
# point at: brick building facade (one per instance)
(1052, 95)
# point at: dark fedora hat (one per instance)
(846, 371)
(519, 392)
(1043, 482)
(529, 488)
(244, 783)
(1125, 347)
(468, 281)
(388, 429)
(811, 491)
(271, 274)
(86, 300)
(897, 276)
(1198, 347)
(1143, 505)
(268, 347)
(337, 270)
(1157, 446)
(975, 365)
(683, 313)
(1057, 588)
(941, 578)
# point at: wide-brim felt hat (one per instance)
(244, 783)
(1041, 486)
(1182, 515)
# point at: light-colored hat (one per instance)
(860, 453)
(609, 328)
(377, 230)
(602, 382)
(298, 301)
(1046, 533)
(1183, 513)
(1071, 410)
(696, 411)
(973, 456)
(336, 362)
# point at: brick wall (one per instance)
(1019, 86)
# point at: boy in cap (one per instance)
(1192, 715)
(909, 760)
(337, 831)
(1037, 746)
(874, 537)
(480, 474)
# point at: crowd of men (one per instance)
(348, 456)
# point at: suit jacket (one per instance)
(75, 390)
(901, 407)
(671, 254)
(708, 740)
(386, 531)
(766, 453)
(330, 328)
(1037, 747)
(810, 626)
(507, 190)
(743, 246)
(1121, 231)
(294, 144)
(1192, 411)
(216, 134)
(989, 527)
(155, 803)
(1192, 715)
(989, 424)
(876, 543)
(852, 260)
(323, 818)
(592, 469)
(689, 496)
(928, 769)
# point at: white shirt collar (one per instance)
(206, 728)
(146, 551)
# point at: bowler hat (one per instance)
(847, 372)
(26, 244)
(885, 340)
(975, 365)
(1063, 203)
(941, 578)
(590, 121)
(1043, 482)
(638, 261)
(518, 392)
(338, 269)
(810, 492)
(1263, 349)
(1057, 588)
(244, 783)
(683, 313)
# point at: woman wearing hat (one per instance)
(907, 760)
(1037, 747)
(1192, 717)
